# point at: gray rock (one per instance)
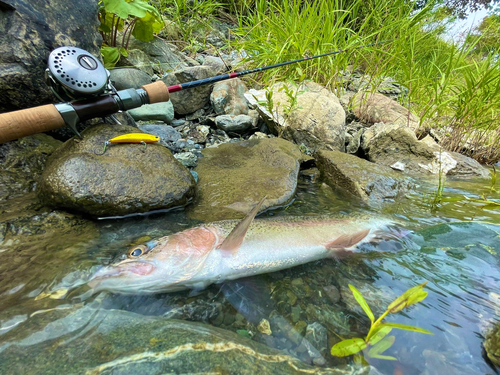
(270, 166)
(166, 133)
(163, 111)
(388, 144)
(371, 182)
(234, 124)
(128, 343)
(228, 97)
(372, 108)
(165, 56)
(128, 78)
(317, 121)
(215, 62)
(29, 31)
(187, 159)
(139, 60)
(125, 179)
(189, 101)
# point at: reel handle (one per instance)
(29, 121)
(17, 124)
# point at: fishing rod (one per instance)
(81, 82)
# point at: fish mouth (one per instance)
(126, 268)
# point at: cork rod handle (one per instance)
(157, 92)
(14, 125)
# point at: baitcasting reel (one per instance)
(73, 73)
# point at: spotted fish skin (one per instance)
(196, 258)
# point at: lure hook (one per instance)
(104, 150)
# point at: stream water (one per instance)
(456, 248)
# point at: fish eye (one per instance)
(137, 251)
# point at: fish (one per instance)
(228, 250)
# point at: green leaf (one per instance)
(110, 56)
(123, 52)
(348, 347)
(410, 297)
(360, 360)
(378, 334)
(381, 347)
(124, 9)
(408, 328)
(362, 302)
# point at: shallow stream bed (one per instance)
(50, 323)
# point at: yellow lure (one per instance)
(131, 138)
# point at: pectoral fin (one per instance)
(346, 241)
(234, 240)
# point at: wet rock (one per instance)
(139, 60)
(22, 162)
(258, 135)
(373, 107)
(234, 124)
(189, 101)
(332, 293)
(317, 121)
(167, 133)
(334, 320)
(29, 31)
(136, 344)
(128, 78)
(317, 335)
(371, 182)
(228, 97)
(187, 159)
(270, 166)
(125, 179)
(165, 56)
(492, 344)
(163, 111)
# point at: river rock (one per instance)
(234, 124)
(22, 162)
(125, 179)
(393, 143)
(139, 60)
(371, 182)
(190, 101)
(374, 107)
(317, 121)
(163, 111)
(492, 344)
(29, 31)
(269, 166)
(164, 56)
(127, 343)
(168, 134)
(228, 97)
(128, 78)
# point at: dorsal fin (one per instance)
(346, 241)
(234, 240)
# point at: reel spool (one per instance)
(74, 73)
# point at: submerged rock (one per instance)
(371, 182)
(125, 179)
(317, 120)
(234, 177)
(128, 343)
(492, 344)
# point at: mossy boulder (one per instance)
(234, 177)
(371, 182)
(126, 179)
(492, 344)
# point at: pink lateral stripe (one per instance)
(174, 88)
(233, 75)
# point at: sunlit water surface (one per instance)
(456, 248)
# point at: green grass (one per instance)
(454, 91)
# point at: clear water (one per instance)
(455, 248)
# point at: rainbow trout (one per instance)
(228, 250)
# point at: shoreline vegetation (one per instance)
(454, 88)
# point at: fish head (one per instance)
(165, 265)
